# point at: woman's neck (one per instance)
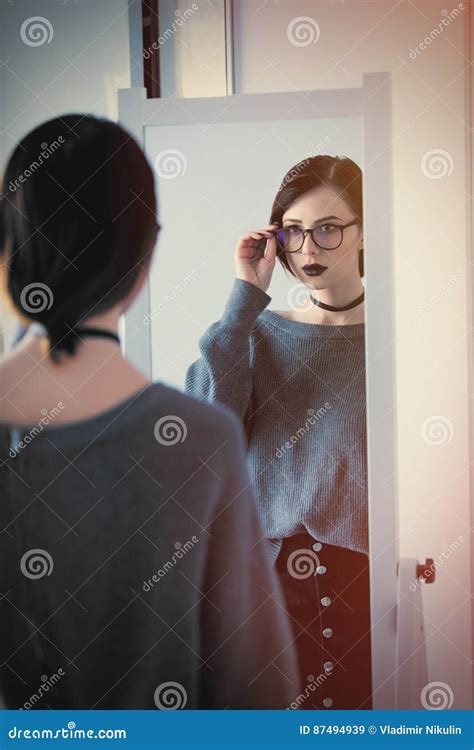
(93, 379)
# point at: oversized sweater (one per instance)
(299, 389)
(130, 565)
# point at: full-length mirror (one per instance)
(236, 413)
(257, 299)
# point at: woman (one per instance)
(131, 576)
(296, 378)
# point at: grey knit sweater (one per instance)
(130, 564)
(299, 389)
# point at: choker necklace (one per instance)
(38, 329)
(96, 332)
(336, 309)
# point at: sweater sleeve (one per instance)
(224, 371)
(247, 645)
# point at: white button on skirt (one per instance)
(328, 601)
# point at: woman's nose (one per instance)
(309, 248)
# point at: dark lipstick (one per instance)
(314, 269)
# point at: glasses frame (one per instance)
(304, 232)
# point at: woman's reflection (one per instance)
(296, 378)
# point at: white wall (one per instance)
(220, 195)
(432, 254)
(432, 257)
(86, 59)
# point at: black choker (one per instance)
(82, 331)
(336, 309)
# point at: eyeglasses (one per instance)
(326, 236)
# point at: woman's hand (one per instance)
(252, 262)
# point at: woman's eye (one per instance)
(330, 227)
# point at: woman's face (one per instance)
(321, 206)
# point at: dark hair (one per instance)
(77, 222)
(339, 173)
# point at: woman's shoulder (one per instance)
(156, 410)
(284, 313)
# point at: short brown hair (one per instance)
(339, 173)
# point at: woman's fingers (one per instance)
(250, 245)
(255, 256)
(270, 252)
(260, 234)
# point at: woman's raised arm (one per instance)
(224, 371)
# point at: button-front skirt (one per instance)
(327, 593)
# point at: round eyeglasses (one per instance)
(326, 236)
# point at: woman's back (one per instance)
(132, 571)
(131, 566)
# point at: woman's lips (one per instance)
(314, 269)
